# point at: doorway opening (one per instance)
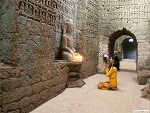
(127, 46)
(129, 49)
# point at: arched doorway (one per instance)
(126, 46)
(129, 49)
(115, 36)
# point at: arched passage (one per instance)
(115, 36)
(129, 49)
(111, 46)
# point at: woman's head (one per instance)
(114, 60)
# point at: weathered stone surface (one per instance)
(37, 88)
(80, 82)
(144, 73)
(143, 76)
(27, 109)
(144, 93)
(16, 72)
(142, 80)
(74, 66)
(146, 90)
(6, 72)
(75, 83)
(30, 40)
(45, 94)
(115, 17)
(11, 107)
(26, 81)
(0, 100)
(10, 84)
(17, 105)
(16, 111)
(34, 99)
(72, 84)
(58, 88)
(16, 95)
(73, 74)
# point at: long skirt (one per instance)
(105, 86)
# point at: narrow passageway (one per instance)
(128, 65)
(90, 99)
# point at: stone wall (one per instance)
(29, 37)
(31, 71)
(7, 29)
(132, 15)
(103, 45)
(22, 92)
(88, 35)
(30, 44)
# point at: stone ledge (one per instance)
(75, 83)
(143, 76)
(146, 90)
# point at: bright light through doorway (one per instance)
(131, 40)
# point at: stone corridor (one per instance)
(89, 99)
(32, 67)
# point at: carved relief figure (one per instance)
(67, 41)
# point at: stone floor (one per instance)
(89, 99)
(128, 65)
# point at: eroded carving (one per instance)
(38, 12)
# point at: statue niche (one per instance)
(69, 53)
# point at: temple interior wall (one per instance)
(30, 44)
(30, 40)
(132, 15)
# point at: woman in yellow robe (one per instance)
(112, 74)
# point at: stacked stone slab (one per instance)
(146, 90)
(143, 76)
(21, 94)
(74, 79)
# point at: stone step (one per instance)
(76, 83)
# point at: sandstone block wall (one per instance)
(132, 15)
(28, 45)
(21, 92)
(103, 46)
(30, 41)
(88, 37)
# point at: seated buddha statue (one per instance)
(67, 41)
